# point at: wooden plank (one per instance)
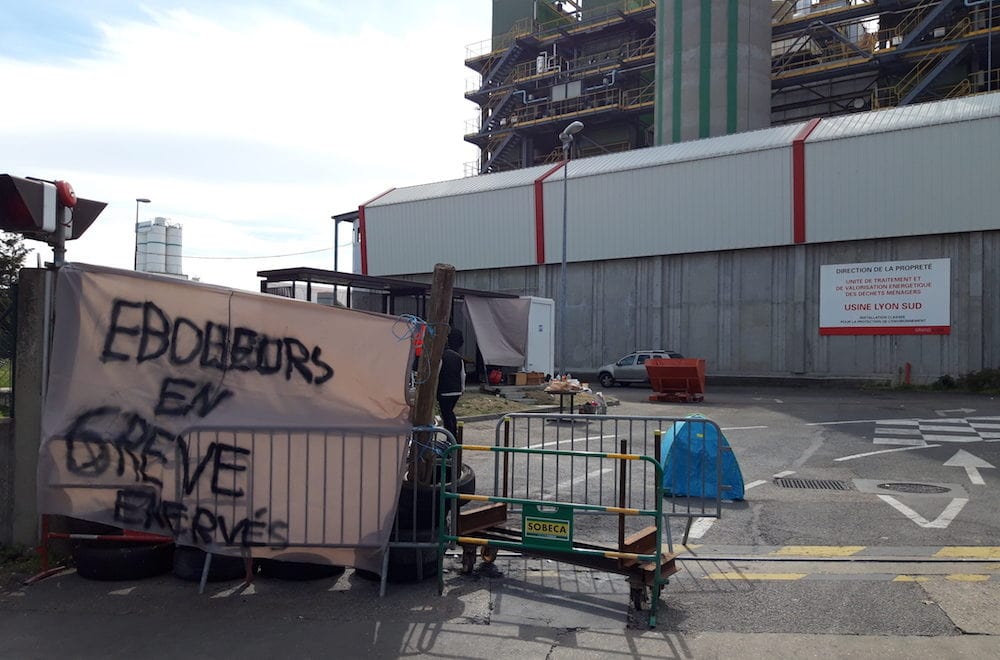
(642, 542)
(483, 517)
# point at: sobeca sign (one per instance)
(227, 420)
(886, 298)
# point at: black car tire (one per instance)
(607, 380)
(403, 562)
(297, 571)
(426, 500)
(128, 560)
(189, 563)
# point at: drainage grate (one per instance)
(926, 489)
(819, 484)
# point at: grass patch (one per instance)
(478, 403)
(17, 563)
(986, 381)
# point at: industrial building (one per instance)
(645, 72)
(159, 247)
(796, 188)
(720, 248)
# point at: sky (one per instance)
(250, 123)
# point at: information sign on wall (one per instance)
(886, 298)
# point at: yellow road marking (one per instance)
(732, 575)
(910, 578)
(970, 551)
(968, 577)
(819, 550)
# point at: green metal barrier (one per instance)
(547, 527)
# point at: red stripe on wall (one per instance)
(885, 330)
(363, 230)
(540, 214)
(799, 181)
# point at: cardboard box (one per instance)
(521, 378)
(534, 378)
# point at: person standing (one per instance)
(451, 380)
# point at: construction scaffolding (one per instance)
(595, 61)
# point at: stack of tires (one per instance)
(418, 518)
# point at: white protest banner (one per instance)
(886, 298)
(225, 419)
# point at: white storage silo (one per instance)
(156, 243)
(174, 250)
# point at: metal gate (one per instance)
(697, 491)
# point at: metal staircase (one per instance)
(504, 145)
(498, 73)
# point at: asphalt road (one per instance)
(903, 561)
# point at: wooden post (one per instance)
(439, 313)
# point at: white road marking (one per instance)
(971, 463)
(122, 592)
(913, 431)
(699, 527)
(882, 451)
(778, 401)
(941, 522)
(964, 411)
(742, 428)
(226, 593)
(250, 590)
(952, 438)
(583, 477)
(573, 439)
(702, 525)
(963, 427)
(917, 442)
(784, 474)
(848, 421)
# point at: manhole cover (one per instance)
(925, 489)
(820, 484)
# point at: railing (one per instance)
(914, 76)
(579, 20)
(913, 17)
(979, 82)
(603, 433)
(785, 13)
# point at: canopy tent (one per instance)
(501, 327)
(691, 461)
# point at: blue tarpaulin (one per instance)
(691, 451)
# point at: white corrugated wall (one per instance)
(691, 206)
(925, 180)
(482, 230)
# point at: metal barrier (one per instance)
(323, 495)
(413, 545)
(292, 492)
(548, 526)
(697, 494)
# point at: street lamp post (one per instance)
(566, 137)
(135, 260)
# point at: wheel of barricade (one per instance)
(488, 554)
(468, 559)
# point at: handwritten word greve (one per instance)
(144, 332)
(108, 439)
